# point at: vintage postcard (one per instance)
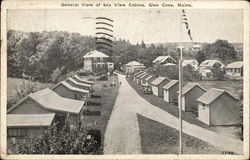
(124, 79)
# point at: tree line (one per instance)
(40, 54)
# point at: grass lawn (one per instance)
(187, 116)
(157, 138)
(108, 97)
(14, 83)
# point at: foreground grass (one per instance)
(157, 138)
(108, 97)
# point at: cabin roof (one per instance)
(170, 84)
(212, 95)
(237, 64)
(29, 120)
(95, 53)
(159, 80)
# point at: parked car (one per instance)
(147, 91)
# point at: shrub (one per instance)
(63, 141)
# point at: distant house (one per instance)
(95, 61)
(206, 67)
(191, 62)
(164, 60)
(27, 126)
(81, 80)
(190, 93)
(47, 101)
(235, 69)
(157, 86)
(80, 85)
(64, 89)
(150, 79)
(143, 78)
(170, 91)
(218, 107)
(133, 66)
(196, 47)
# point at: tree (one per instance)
(217, 73)
(220, 49)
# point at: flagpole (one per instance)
(180, 93)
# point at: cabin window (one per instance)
(17, 132)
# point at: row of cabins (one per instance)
(37, 111)
(209, 105)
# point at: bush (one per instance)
(63, 141)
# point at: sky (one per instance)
(149, 25)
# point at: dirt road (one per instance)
(122, 134)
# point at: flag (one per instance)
(185, 21)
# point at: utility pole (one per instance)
(180, 92)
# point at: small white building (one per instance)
(218, 107)
(196, 47)
(132, 67)
(190, 93)
(157, 85)
(206, 67)
(95, 61)
(191, 62)
(170, 91)
(164, 60)
(235, 69)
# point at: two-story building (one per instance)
(95, 61)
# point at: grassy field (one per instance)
(15, 83)
(232, 87)
(157, 138)
(187, 116)
(108, 97)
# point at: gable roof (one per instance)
(170, 84)
(144, 76)
(150, 76)
(212, 95)
(161, 59)
(68, 86)
(159, 80)
(134, 63)
(50, 100)
(169, 64)
(237, 64)
(190, 86)
(210, 63)
(138, 75)
(29, 120)
(95, 53)
(77, 83)
(83, 80)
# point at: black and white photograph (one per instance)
(125, 79)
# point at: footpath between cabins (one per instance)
(97, 116)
